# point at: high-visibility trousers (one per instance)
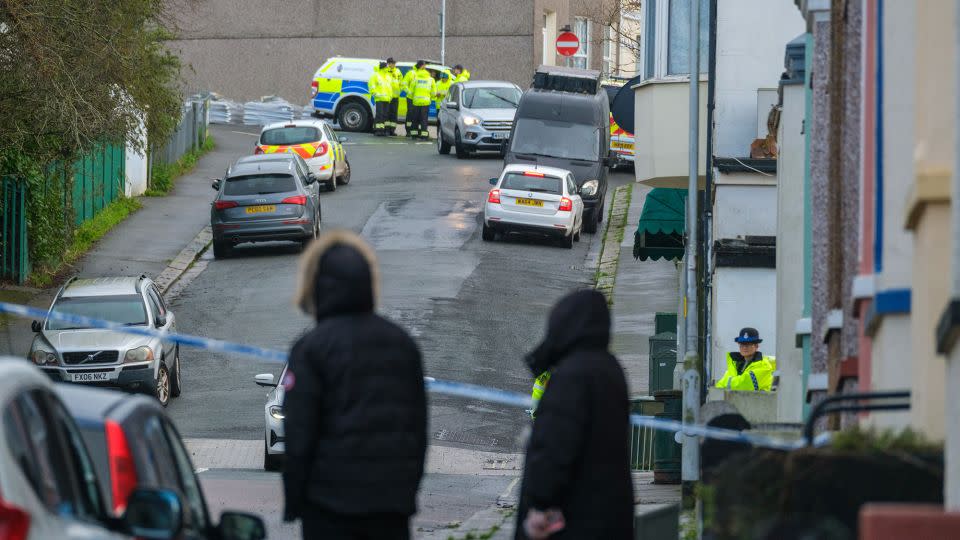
(419, 126)
(380, 116)
(394, 110)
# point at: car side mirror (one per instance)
(311, 179)
(453, 105)
(154, 514)
(241, 526)
(36, 326)
(265, 379)
(161, 321)
(493, 181)
(216, 184)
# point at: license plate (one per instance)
(500, 135)
(529, 202)
(90, 377)
(625, 145)
(261, 209)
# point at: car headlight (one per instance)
(589, 188)
(43, 358)
(140, 354)
(471, 121)
(276, 411)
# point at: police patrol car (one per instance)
(621, 142)
(340, 91)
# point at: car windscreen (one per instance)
(290, 135)
(536, 184)
(491, 98)
(259, 184)
(124, 309)
(556, 139)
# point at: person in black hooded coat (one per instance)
(578, 456)
(355, 403)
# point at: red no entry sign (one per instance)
(567, 44)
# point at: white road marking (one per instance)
(246, 133)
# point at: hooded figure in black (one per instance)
(355, 403)
(578, 457)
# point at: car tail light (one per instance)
(315, 85)
(532, 173)
(296, 199)
(322, 149)
(123, 472)
(257, 150)
(494, 196)
(14, 522)
(566, 205)
(223, 205)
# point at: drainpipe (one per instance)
(690, 470)
(951, 486)
(707, 243)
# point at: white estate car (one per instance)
(314, 141)
(534, 199)
(273, 445)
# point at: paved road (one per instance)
(475, 308)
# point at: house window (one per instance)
(609, 65)
(666, 45)
(581, 27)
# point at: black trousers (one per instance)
(392, 114)
(418, 127)
(320, 525)
(408, 117)
(380, 116)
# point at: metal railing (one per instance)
(889, 401)
(14, 260)
(190, 134)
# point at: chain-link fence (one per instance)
(189, 135)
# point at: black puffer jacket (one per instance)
(578, 458)
(356, 409)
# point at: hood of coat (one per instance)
(579, 320)
(338, 275)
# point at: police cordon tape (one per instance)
(451, 388)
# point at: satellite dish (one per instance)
(623, 105)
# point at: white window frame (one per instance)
(610, 52)
(662, 44)
(584, 50)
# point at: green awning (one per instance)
(660, 232)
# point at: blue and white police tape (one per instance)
(452, 388)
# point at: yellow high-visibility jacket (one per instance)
(756, 376)
(422, 88)
(539, 387)
(381, 85)
(464, 76)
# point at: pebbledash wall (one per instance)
(245, 49)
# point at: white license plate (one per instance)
(497, 135)
(91, 377)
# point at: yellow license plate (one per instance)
(261, 209)
(529, 202)
(627, 146)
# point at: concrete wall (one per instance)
(790, 253)
(742, 210)
(661, 132)
(892, 341)
(742, 297)
(751, 37)
(248, 48)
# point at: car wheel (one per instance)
(270, 462)
(345, 177)
(567, 241)
(353, 116)
(443, 147)
(332, 184)
(576, 236)
(221, 250)
(590, 225)
(162, 387)
(488, 234)
(458, 144)
(176, 384)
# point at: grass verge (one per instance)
(616, 225)
(165, 175)
(85, 236)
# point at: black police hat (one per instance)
(748, 335)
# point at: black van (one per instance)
(566, 124)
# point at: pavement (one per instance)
(474, 307)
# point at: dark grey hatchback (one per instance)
(262, 200)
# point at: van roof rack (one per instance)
(565, 79)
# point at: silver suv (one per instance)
(71, 353)
(475, 116)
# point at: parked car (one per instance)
(621, 142)
(477, 115)
(564, 121)
(273, 443)
(312, 140)
(537, 200)
(135, 445)
(74, 353)
(49, 487)
(261, 200)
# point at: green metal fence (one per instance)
(98, 179)
(14, 260)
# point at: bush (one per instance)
(164, 174)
